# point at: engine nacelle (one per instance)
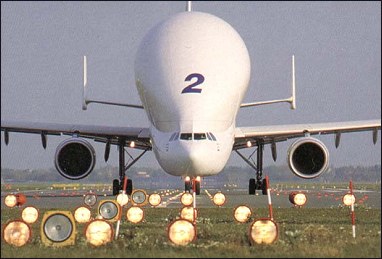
(75, 158)
(308, 157)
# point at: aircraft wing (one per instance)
(277, 133)
(99, 133)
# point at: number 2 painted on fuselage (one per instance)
(190, 88)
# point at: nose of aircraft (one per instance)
(192, 158)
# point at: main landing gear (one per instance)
(192, 184)
(124, 184)
(257, 183)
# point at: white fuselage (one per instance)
(192, 71)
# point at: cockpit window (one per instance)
(199, 136)
(212, 136)
(186, 136)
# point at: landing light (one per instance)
(90, 199)
(110, 210)
(155, 199)
(188, 213)
(181, 232)
(242, 213)
(10, 200)
(263, 231)
(186, 199)
(16, 233)
(219, 199)
(29, 214)
(249, 143)
(82, 214)
(132, 144)
(348, 199)
(122, 199)
(139, 197)
(135, 214)
(187, 179)
(297, 198)
(99, 232)
(198, 178)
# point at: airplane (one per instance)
(191, 92)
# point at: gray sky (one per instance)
(337, 47)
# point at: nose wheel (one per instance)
(192, 184)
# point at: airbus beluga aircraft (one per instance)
(192, 72)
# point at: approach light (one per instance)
(122, 199)
(139, 197)
(242, 213)
(186, 199)
(263, 231)
(82, 214)
(297, 198)
(219, 199)
(29, 214)
(58, 228)
(17, 233)
(10, 200)
(155, 199)
(181, 232)
(99, 232)
(189, 213)
(110, 210)
(135, 214)
(90, 199)
(348, 199)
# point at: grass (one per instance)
(306, 232)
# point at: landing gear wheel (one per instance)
(197, 187)
(264, 187)
(116, 187)
(129, 187)
(187, 186)
(252, 186)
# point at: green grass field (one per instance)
(306, 232)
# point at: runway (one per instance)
(316, 198)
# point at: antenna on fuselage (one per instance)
(189, 6)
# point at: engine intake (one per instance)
(308, 157)
(74, 158)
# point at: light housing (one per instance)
(17, 233)
(10, 200)
(155, 199)
(122, 199)
(135, 214)
(82, 214)
(263, 231)
(348, 199)
(109, 210)
(30, 214)
(297, 198)
(242, 213)
(189, 213)
(186, 199)
(139, 197)
(99, 232)
(219, 199)
(58, 228)
(90, 199)
(181, 232)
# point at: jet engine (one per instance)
(308, 157)
(74, 158)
